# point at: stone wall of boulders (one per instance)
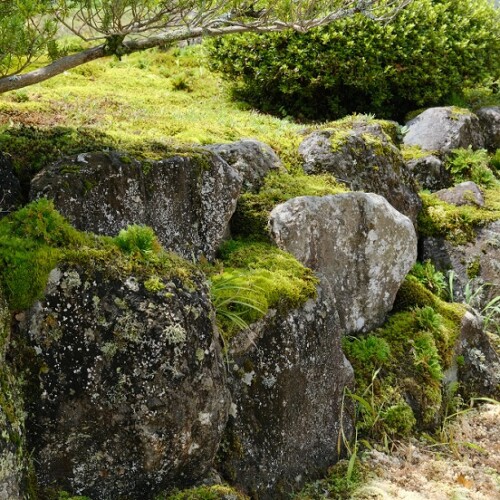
(134, 392)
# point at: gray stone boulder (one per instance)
(443, 129)
(477, 262)
(252, 159)
(429, 172)
(365, 159)
(10, 188)
(132, 389)
(489, 117)
(357, 243)
(187, 199)
(465, 193)
(476, 365)
(287, 385)
(13, 456)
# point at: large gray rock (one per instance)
(476, 365)
(252, 159)
(287, 385)
(366, 160)
(489, 118)
(132, 391)
(430, 172)
(443, 129)
(358, 244)
(465, 193)
(10, 188)
(478, 261)
(187, 199)
(13, 456)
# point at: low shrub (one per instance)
(423, 57)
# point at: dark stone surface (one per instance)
(10, 188)
(133, 396)
(489, 117)
(465, 193)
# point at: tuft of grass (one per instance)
(214, 492)
(433, 280)
(255, 277)
(137, 239)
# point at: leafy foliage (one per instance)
(424, 56)
(466, 164)
(138, 239)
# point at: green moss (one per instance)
(252, 213)
(36, 238)
(414, 152)
(458, 225)
(339, 138)
(474, 268)
(257, 276)
(215, 492)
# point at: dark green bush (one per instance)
(425, 56)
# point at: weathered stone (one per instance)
(443, 129)
(287, 386)
(12, 454)
(366, 160)
(252, 159)
(465, 193)
(489, 118)
(359, 246)
(478, 261)
(430, 172)
(10, 188)
(187, 199)
(476, 364)
(133, 396)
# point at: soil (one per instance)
(466, 468)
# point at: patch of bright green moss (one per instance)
(414, 152)
(215, 492)
(36, 238)
(457, 225)
(257, 276)
(405, 360)
(252, 213)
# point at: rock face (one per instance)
(187, 200)
(133, 396)
(252, 159)
(12, 466)
(443, 129)
(489, 118)
(465, 193)
(430, 172)
(358, 244)
(287, 387)
(479, 369)
(10, 189)
(366, 159)
(479, 260)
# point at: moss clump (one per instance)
(215, 492)
(252, 213)
(474, 268)
(414, 152)
(457, 225)
(257, 276)
(399, 367)
(36, 238)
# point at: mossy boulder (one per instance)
(442, 129)
(252, 159)
(363, 156)
(186, 198)
(429, 172)
(287, 380)
(359, 245)
(465, 193)
(128, 391)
